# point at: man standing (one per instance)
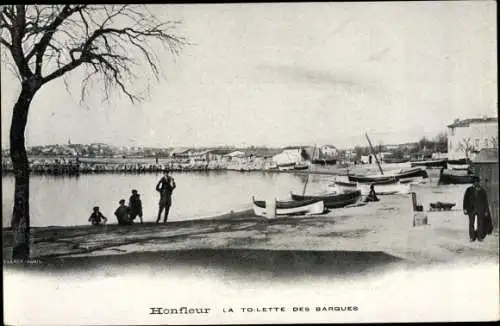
(165, 187)
(476, 207)
(135, 205)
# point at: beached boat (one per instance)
(460, 164)
(300, 166)
(375, 179)
(430, 163)
(344, 186)
(333, 200)
(387, 189)
(301, 207)
(390, 176)
(286, 166)
(456, 177)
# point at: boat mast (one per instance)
(305, 184)
(373, 153)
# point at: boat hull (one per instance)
(430, 163)
(332, 200)
(447, 178)
(284, 208)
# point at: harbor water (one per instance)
(68, 200)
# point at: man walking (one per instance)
(476, 207)
(165, 187)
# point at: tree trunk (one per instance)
(20, 216)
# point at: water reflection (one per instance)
(69, 200)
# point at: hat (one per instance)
(122, 201)
(134, 191)
(96, 208)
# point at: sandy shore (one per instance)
(383, 228)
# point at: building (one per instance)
(485, 165)
(467, 137)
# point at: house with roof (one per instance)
(466, 138)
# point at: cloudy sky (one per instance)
(288, 73)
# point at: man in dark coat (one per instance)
(476, 207)
(165, 187)
(122, 214)
(135, 205)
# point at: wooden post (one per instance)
(373, 152)
(271, 207)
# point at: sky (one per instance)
(276, 74)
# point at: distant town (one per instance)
(463, 140)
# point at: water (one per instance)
(68, 201)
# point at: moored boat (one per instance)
(456, 177)
(430, 163)
(301, 207)
(391, 176)
(324, 162)
(376, 179)
(344, 186)
(393, 160)
(333, 200)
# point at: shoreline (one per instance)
(384, 227)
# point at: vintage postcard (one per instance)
(250, 163)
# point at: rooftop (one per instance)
(467, 122)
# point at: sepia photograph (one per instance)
(250, 163)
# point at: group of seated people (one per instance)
(124, 214)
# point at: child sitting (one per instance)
(96, 217)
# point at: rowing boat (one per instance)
(333, 200)
(293, 207)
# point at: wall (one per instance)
(479, 133)
(488, 172)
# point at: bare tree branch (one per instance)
(115, 43)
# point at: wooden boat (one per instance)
(286, 166)
(344, 186)
(390, 177)
(457, 166)
(333, 200)
(460, 164)
(392, 160)
(301, 207)
(455, 178)
(430, 163)
(388, 189)
(376, 179)
(324, 162)
(300, 166)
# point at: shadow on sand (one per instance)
(274, 263)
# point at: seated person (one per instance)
(96, 217)
(372, 196)
(122, 214)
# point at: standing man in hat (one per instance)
(135, 205)
(476, 206)
(165, 187)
